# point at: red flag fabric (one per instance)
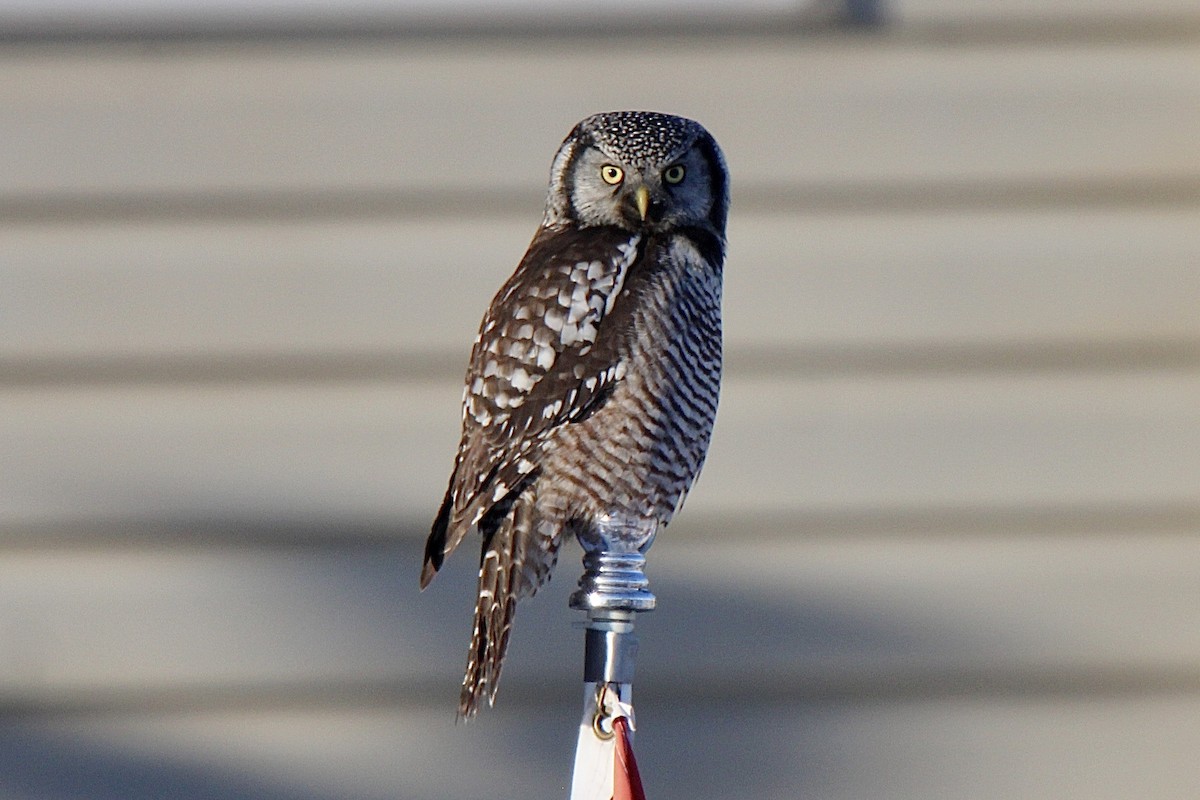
(627, 783)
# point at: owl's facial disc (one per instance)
(603, 187)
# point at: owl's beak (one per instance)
(641, 197)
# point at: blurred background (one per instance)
(947, 544)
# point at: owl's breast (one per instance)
(676, 336)
(640, 452)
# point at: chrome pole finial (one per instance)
(613, 577)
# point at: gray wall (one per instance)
(946, 543)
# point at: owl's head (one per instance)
(641, 171)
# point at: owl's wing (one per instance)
(548, 353)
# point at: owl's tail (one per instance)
(494, 612)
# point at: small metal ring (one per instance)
(598, 727)
(601, 715)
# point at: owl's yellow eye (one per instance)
(674, 174)
(612, 175)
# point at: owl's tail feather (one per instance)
(494, 612)
(435, 545)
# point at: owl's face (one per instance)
(639, 171)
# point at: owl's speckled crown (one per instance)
(639, 137)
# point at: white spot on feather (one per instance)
(521, 380)
(580, 307)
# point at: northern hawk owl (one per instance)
(592, 385)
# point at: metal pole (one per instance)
(612, 590)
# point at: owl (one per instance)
(592, 386)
